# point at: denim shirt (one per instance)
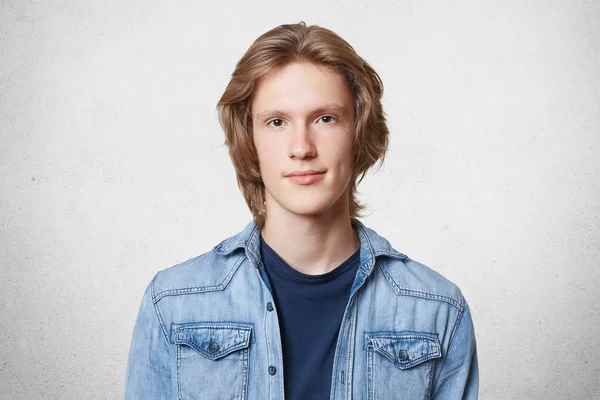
(208, 329)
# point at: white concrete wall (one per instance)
(112, 167)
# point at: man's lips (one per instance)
(305, 177)
(305, 172)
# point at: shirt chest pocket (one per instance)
(400, 364)
(212, 359)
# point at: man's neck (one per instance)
(312, 245)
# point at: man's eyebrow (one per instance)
(331, 107)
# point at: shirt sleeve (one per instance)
(148, 374)
(458, 377)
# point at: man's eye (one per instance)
(327, 119)
(276, 122)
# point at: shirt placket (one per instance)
(343, 361)
(274, 369)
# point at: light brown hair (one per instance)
(281, 46)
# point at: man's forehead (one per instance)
(300, 85)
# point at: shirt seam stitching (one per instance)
(157, 312)
(200, 289)
(459, 319)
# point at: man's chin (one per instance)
(312, 210)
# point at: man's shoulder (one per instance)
(412, 278)
(409, 277)
(206, 272)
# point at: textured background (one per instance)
(112, 167)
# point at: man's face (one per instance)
(303, 119)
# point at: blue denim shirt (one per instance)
(208, 329)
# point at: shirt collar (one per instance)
(372, 245)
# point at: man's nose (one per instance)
(302, 142)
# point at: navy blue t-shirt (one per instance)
(310, 309)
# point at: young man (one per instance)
(305, 302)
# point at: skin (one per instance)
(303, 119)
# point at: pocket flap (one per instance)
(213, 340)
(405, 349)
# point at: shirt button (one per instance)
(272, 370)
(403, 355)
(214, 347)
(269, 306)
